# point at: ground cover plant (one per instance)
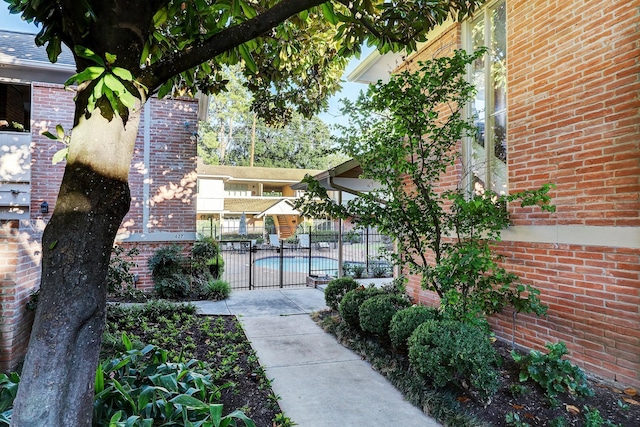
(217, 341)
(510, 402)
(162, 364)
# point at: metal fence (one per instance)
(249, 264)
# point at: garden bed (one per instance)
(609, 406)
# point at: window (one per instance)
(15, 107)
(486, 152)
(236, 190)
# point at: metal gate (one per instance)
(251, 266)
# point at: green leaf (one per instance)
(123, 73)
(126, 342)
(89, 73)
(87, 53)
(111, 58)
(329, 13)
(248, 58)
(192, 402)
(53, 244)
(99, 381)
(249, 11)
(60, 132)
(49, 135)
(60, 155)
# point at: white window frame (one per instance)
(467, 149)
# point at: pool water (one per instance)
(319, 265)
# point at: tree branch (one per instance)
(198, 53)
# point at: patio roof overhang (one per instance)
(344, 177)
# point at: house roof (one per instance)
(249, 205)
(21, 61)
(16, 47)
(246, 173)
(380, 67)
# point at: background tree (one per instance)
(235, 135)
(293, 53)
(405, 136)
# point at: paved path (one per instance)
(319, 382)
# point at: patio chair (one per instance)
(274, 241)
(304, 241)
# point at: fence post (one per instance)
(250, 264)
(282, 263)
(366, 250)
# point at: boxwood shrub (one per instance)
(376, 313)
(337, 289)
(349, 307)
(405, 321)
(452, 352)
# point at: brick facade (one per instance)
(573, 120)
(163, 208)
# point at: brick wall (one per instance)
(574, 120)
(19, 276)
(167, 182)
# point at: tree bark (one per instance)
(56, 388)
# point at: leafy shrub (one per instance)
(119, 276)
(336, 290)
(203, 252)
(376, 313)
(380, 270)
(167, 261)
(453, 352)
(551, 372)
(174, 286)
(349, 307)
(358, 270)
(405, 321)
(218, 290)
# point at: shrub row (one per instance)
(443, 351)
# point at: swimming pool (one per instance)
(319, 264)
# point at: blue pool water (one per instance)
(319, 265)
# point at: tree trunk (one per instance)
(56, 388)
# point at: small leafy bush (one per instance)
(206, 256)
(337, 289)
(405, 321)
(174, 286)
(551, 372)
(379, 270)
(358, 270)
(119, 276)
(218, 290)
(349, 307)
(453, 352)
(376, 313)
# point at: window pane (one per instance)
(498, 161)
(478, 154)
(498, 176)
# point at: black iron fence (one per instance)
(259, 264)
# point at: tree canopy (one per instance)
(293, 51)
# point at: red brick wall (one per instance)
(170, 180)
(574, 120)
(573, 109)
(593, 294)
(19, 277)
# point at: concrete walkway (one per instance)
(319, 382)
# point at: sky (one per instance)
(349, 90)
